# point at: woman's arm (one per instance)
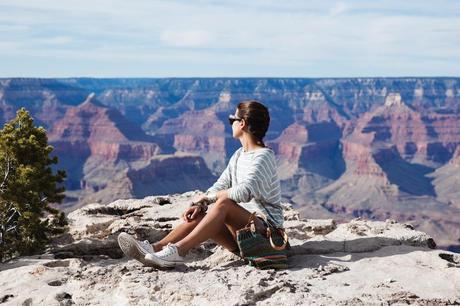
(222, 195)
(256, 180)
(224, 181)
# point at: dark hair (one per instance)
(257, 118)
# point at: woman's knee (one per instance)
(223, 203)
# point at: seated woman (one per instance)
(249, 184)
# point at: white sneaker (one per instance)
(133, 248)
(167, 257)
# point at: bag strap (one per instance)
(251, 225)
(251, 220)
(285, 239)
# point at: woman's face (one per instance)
(237, 127)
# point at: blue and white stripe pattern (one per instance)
(255, 186)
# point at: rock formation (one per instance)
(360, 262)
(108, 157)
(199, 132)
(348, 147)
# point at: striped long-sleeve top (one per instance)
(255, 185)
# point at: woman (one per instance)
(249, 184)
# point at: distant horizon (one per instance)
(231, 77)
(236, 39)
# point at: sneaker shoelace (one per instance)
(146, 246)
(168, 251)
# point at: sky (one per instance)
(239, 38)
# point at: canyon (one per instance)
(374, 148)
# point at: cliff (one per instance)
(346, 147)
(107, 156)
(360, 262)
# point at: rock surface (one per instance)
(356, 263)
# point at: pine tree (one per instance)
(27, 188)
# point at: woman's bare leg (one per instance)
(225, 212)
(223, 237)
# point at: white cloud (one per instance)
(338, 9)
(9, 46)
(185, 38)
(56, 40)
(256, 38)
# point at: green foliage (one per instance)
(27, 188)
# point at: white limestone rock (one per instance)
(356, 263)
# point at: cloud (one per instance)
(229, 38)
(338, 9)
(185, 38)
(56, 40)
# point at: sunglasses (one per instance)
(233, 118)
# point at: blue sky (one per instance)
(240, 38)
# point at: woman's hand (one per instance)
(191, 213)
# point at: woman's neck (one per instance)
(249, 144)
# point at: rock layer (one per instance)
(373, 147)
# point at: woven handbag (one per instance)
(263, 250)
